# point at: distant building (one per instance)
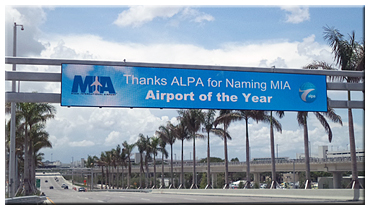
(324, 153)
(78, 163)
(137, 158)
(50, 164)
(335, 154)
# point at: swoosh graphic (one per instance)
(305, 93)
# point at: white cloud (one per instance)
(195, 15)
(113, 138)
(313, 50)
(83, 143)
(296, 14)
(139, 15)
(136, 16)
(31, 18)
(280, 53)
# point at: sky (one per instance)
(226, 35)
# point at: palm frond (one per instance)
(301, 118)
(325, 124)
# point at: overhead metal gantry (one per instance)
(56, 77)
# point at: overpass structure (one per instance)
(336, 166)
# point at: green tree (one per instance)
(127, 148)
(117, 156)
(31, 114)
(193, 119)
(90, 163)
(162, 149)
(167, 133)
(209, 127)
(274, 123)
(154, 142)
(350, 55)
(212, 160)
(246, 115)
(141, 145)
(181, 132)
(203, 181)
(102, 163)
(225, 118)
(302, 121)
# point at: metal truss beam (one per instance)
(56, 77)
(57, 62)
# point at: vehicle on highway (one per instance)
(46, 180)
(81, 189)
(65, 187)
(51, 187)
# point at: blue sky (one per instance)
(228, 24)
(252, 36)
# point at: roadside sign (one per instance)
(148, 87)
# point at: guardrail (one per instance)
(297, 161)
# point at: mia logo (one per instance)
(93, 85)
(307, 92)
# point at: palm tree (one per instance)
(162, 149)
(209, 127)
(154, 149)
(102, 162)
(90, 163)
(117, 161)
(350, 55)
(141, 145)
(245, 115)
(127, 150)
(31, 114)
(193, 119)
(225, 121)
(122, 160)
(274, 123)
(181, 133)
(148, 152)
(108, 160)
(40, 139)
(19, 147)
(105, 159)
(167, 134)
(302, 121)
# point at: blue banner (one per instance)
(121, 86)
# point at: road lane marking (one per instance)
(50, 200)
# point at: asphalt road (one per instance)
(59, 195)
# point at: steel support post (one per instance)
(12, 126)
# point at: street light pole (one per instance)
(12, 160)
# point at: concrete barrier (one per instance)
(325, 194)
(23, 200)
(121, 190)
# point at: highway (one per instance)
(60, 196)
